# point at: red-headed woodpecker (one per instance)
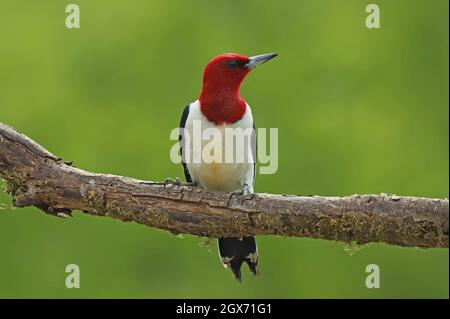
(221, 106)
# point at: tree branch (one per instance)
(35, 177)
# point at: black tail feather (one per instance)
(235, 266)
(253, 267)
(235, 251)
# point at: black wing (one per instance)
(181, 140)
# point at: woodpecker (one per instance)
(221, 106)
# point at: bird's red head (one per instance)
(225, 71)
(220, 99)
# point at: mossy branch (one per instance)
(35, 177)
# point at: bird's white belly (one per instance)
(228, 169)
(225, 177)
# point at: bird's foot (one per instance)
(170, 181)
(246, 193)
(177, 182)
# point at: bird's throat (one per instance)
(222, 106)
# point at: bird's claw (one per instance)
(170, 181)
(177, 182)
(248, 196)
(245, 193)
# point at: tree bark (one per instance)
(35, 177)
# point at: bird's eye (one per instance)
(233, 63)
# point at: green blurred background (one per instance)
(358, 111)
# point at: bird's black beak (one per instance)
(259, 59)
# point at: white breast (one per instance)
(218, 175)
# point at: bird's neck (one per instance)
(222, 104)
